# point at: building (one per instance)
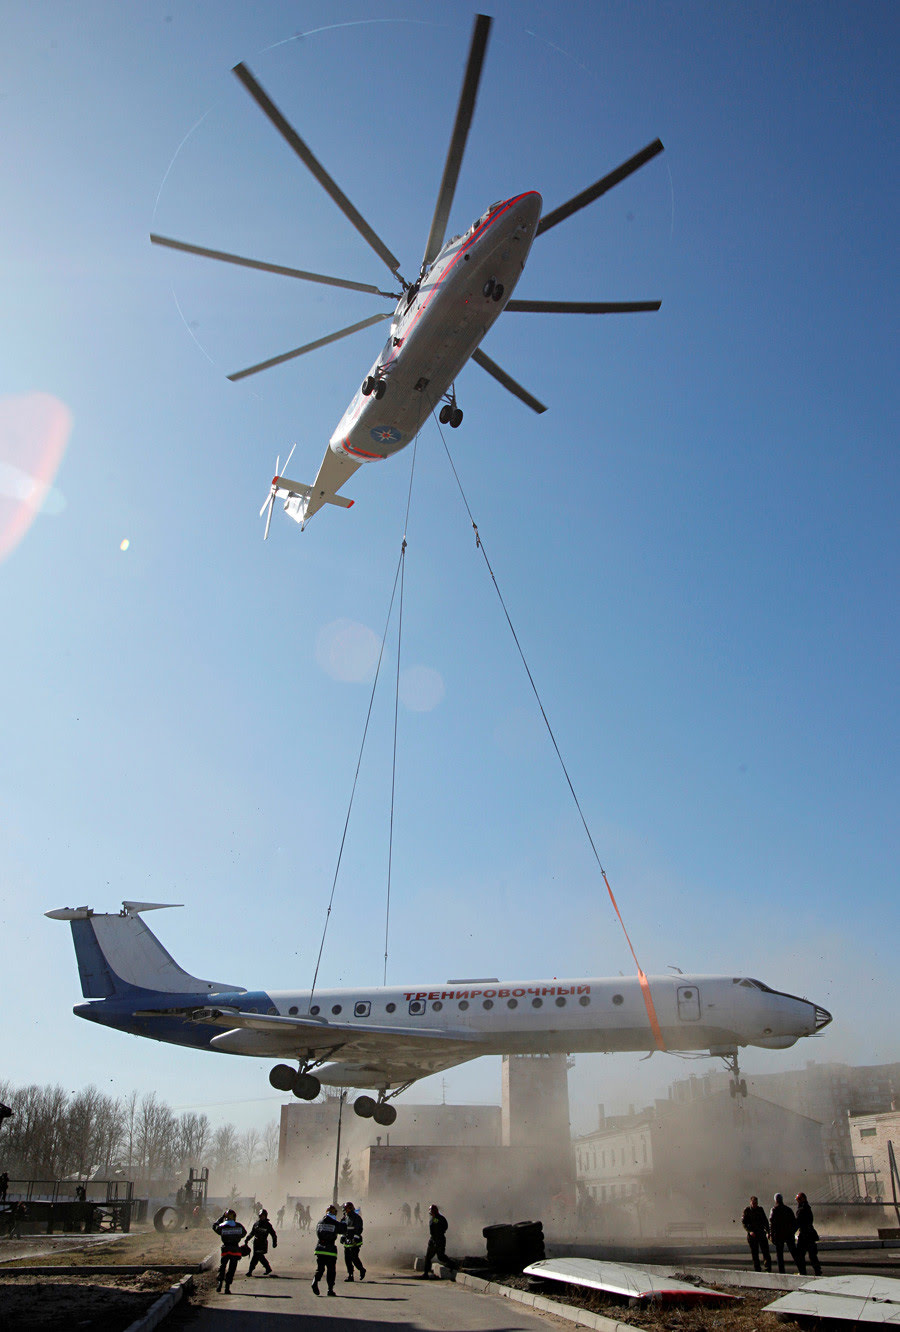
(693, 1161)
(829, 1093)
(875, 1144)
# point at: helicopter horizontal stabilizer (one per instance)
(298, 488)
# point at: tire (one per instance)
(498, 292)
(385, 1115)
(380, 389)
(456, 418)
(367, 385)
(282, 1077)
(445, 413)
(488, 288)
(305, 1087)
(365, 1107)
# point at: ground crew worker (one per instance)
(782, 1224)
(437, 1240)
(757, 1227)
(807, 1237)
(280, 1214)
(352, 1241)
(231, 1233)
(261, 1232)
(18, 1214)
(327, 1232)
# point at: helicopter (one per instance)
(440, 317)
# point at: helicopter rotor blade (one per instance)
(290, 135)
(270, 504)
(581, 307)
(507, 381)
(464, 112)
(224, 257)
(599, 187)
(310, 346)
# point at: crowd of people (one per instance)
(786, 1229)
(346, 1230)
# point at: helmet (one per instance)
(801, 1197)
(263, 1212)
(434, 1208)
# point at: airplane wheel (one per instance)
(282, 1077)
(367, 385)
(743, 1087)
(498, 291)
(305, 1087)
(445, 413)
(365, 1107)
(385, 1115)
(456, 417)
(380, 389)
(732, 1087)
(488, 288)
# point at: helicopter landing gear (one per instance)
(368, 1108)
(373, 384)
(737, 1086)
(304, 1086)
(450, 414)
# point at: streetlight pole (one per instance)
(337, 1152)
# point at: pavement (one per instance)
(387, 1299)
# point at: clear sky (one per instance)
(698, 542)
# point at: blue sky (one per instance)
(697, 542)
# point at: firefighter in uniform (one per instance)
(352, 1241)
(261, 1232)
(231, 1233)
(327, 1232)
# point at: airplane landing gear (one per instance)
(304, 1086)
(737, 1086)
(374, 385)
(368, 1108)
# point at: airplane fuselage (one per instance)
(714, 1013)
(436, 327)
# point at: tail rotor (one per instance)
(269, 501)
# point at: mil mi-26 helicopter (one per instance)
(440, 318)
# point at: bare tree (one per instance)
(249, 1148)
(156, 1132)
(271, 1142)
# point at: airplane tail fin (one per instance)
(118, 956)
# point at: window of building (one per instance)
(868, 1133)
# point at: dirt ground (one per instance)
(741, 1315)
(99, 1303)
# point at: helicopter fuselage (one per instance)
(438, 324)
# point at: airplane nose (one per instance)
(823, 1017)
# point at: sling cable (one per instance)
(398, 581)
(479, 543)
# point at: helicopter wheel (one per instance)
(368, 385)
(445, 414)
(488, 289)
(380, 389)
(456, 417)
(498, 291)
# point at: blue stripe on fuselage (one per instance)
(164, 1025)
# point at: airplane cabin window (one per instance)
(618, 999)
(293, 1010)
(362, 1009)
(464, 1004)
(488, 1003)
(512, 1003)
(390, 1008)
(437, 1005)
(272, 1012)
(536, 1003)
(416, 1006)
(336, 1009)
(560, 1002)
(315, 1010)
(585, 1000)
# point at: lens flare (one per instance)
(34, 432)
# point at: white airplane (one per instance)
(386, 1038)
(440, 318)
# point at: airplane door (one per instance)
(688, 1003)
